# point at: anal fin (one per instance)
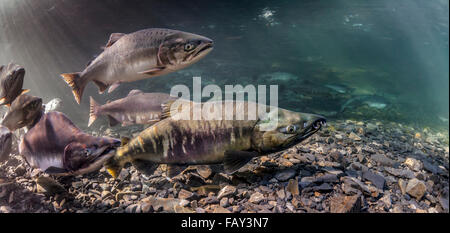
(101, 86)
(234, 160)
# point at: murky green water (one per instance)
(384, 60)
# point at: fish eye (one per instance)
(189, 47)
(291, 129)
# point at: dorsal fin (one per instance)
(165, 109)
(135, 92)
(114, 38)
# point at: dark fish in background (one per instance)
(373, 101)
(56, 146)
(231, 142)
(139, 55)
(5, 143)
(24, 112)
(11, 83)
(137, 108)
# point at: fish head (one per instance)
(181, 49)
(12, 81)
(6, 138)
(282, 129)
(23, 112)
(81, 158)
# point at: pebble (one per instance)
(226, 191)
(345, 204)
(285, 175)
(376, 179)
(416, 188)
(256, 198)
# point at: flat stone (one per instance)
(345, 204)
(49, 186)
(402, 184)
(184, 194)
(256, 198)
(285, 175)
(204, 171)
(327, 178)
(433, 168)
(325, 187)
(416, 188)
(354, 137)
(407, 174)
(220, 209)
(377, 180)
(226, 191)
(413, 164)
(292, 187)
(383, 160)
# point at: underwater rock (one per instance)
(376, 179)
(416, 188)
(226, 191)
(345, 204)
(292, 187)
(413, 164)
(256, 198)
(285, 174)
(383, 160)
(49, 186)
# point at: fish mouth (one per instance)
(312, 129)
(205, 48)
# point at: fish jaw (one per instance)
(81, 158)
(291, 129)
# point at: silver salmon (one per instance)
(139, 55)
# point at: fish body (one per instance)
(339, 88)
(231, 142)
(56, 146)
(5, 143)
(24, 112)
(137, 108)
(372, 101)
(140, 55)
(11, 83)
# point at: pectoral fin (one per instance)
(112, 121)
(113, 87)
(174, 170)
(25, 91)
(55, 170)
(145, 167)
(2, 100)
(234, 160)
(153, 72)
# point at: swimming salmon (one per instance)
(137, 108)
(24, 112)
(56, 146)
(139, 55)
(231, 142)
(11, 82)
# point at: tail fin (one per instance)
(93, 111)
(76, 83)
